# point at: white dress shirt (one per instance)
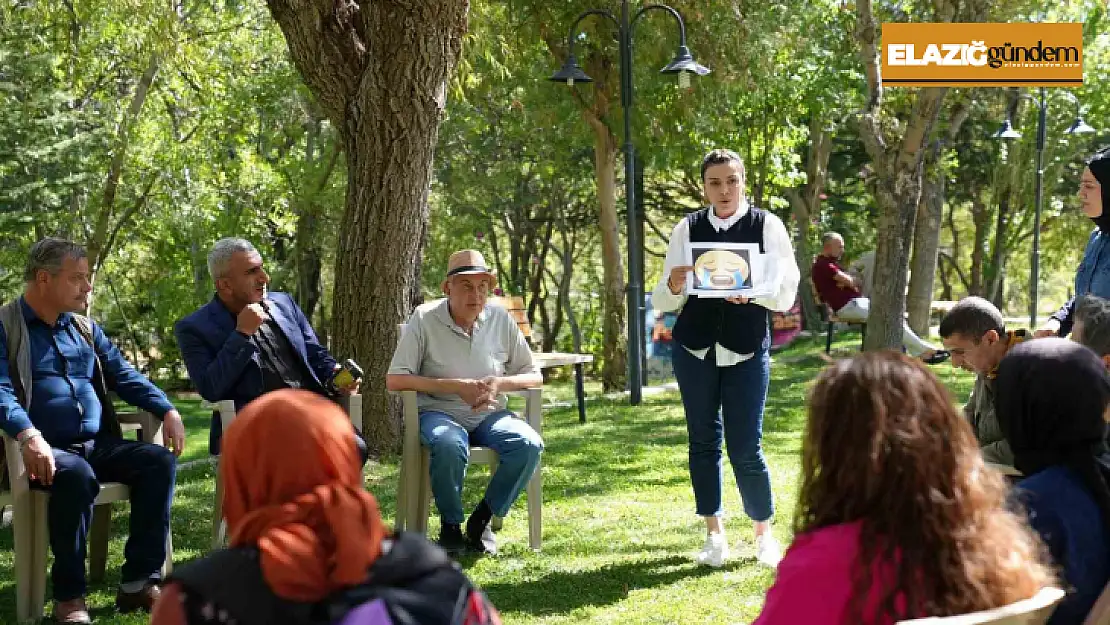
(776, 242)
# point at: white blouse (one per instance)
(776, 242)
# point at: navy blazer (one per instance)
(223, 364)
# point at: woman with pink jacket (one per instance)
(898, 516)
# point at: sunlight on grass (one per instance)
(619, 526)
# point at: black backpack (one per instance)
(414, 582)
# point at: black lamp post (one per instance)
(683, 65)
(1006, 131)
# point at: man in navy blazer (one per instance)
(247, 342)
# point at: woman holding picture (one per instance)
(721, 357)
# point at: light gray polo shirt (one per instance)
(434, 346)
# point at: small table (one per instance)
(546, 360)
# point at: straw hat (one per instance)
(467, 263)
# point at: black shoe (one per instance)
(485, 542)
(938, 357)
(451, 539)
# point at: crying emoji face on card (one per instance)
(721, 270)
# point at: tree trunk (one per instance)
(596, 111)
(566, 257)
(98, 245)
(930, 216)
(898, 173)
(980, 217)
(993, 290)
(805, 206)
(307, 247)
(309, 261)
(615, 349)
(923, 268)
(379, 71)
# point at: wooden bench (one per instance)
(547, 360)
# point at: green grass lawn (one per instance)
(619, 526)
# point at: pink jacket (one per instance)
(814, 581)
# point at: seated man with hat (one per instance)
(460, 355)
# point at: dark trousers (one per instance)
(725, 404)
(150, 471)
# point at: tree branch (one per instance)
(119, 154)
(867, 34)
(952, 263)
(330, 167)
(325, 48)
(124, 218)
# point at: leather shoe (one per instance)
(135, 601)
(937, 357)
(72, 611)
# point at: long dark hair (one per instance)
(885, 447)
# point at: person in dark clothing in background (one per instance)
(1052, 398)
(842, 294)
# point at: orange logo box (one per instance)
(982, 55)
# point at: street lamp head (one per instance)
(1080, 127)
(570, 73)
(684, 65)
(1007, 131)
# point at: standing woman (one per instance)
(721, 360)
(1093, 275)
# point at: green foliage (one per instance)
(230, 142)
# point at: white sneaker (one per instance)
(768, 551)
(714, 552)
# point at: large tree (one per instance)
(897, 156)
(380, 72)
(930, 213)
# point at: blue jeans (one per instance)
(518, 449)
(726, 404)
(150, 471)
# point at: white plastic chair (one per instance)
(1032, 611)
(29, 521)
(414, 488)
(352, 404)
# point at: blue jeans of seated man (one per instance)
(149, 471)
(725, 404)
(518, 449)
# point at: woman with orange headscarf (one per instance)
(303, 529)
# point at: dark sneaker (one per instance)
(143, 600)
(452, 540)
(938, 357)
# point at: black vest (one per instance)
(703, 322)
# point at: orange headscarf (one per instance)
(292, 485)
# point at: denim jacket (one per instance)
(1093, 276)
